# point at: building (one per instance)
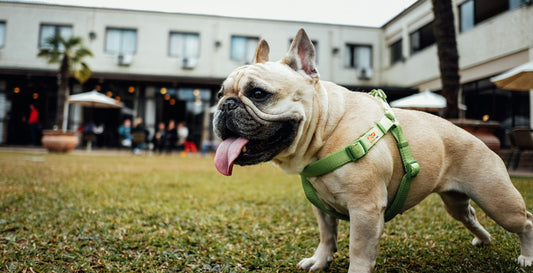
(492, 37)
(166, 66)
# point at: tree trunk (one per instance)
(63, 93)
(444, 31)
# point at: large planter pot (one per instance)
(483, 130)
(59, 141)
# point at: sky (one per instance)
(372, 13)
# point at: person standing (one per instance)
(33, 122)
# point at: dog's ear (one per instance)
(301, 55)
(261, 53)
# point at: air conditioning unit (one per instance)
(364, 73)
(189, 63)
(124, 59)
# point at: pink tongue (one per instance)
(227, 152)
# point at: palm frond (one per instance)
(52, 55)
(72, 42)
(54, 41)
(73, 50)
(52, 50)
(83, 73)
(81, 53)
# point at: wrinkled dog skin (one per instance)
(281, 112)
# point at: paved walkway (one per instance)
(524, 169)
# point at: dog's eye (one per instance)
(259, 94)
(220, 95)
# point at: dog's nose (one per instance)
(230, 104)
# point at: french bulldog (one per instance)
(282, 112)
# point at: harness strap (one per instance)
(357, 150)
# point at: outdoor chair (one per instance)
(90, 140)
(521, 139)
(138, 138)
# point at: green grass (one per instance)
(87, 213)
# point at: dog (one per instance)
(283, 113)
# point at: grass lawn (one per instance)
(88, 213)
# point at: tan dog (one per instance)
(281, 112)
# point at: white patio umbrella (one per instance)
(426, 100)
(94, 99)
(518, 78)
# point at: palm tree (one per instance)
(69, 54)
(444, 31)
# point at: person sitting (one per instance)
(159, 138)
(171, 137)
(124, 132)
(139, 135)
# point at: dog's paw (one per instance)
(481, 242)
(315, 263)
(525, 261)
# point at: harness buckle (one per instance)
(379, 94)
(390, 115)
(356, 150)
(412, 168)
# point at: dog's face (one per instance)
(262, 106)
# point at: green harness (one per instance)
(357, 150)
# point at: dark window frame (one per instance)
(396, 52)
(425, 37)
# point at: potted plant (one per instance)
(69, 53)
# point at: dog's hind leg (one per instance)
(526, 242)
(502, 202)
(328, 243)
(458, 206)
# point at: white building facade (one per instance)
(166, 66)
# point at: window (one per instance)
(396, 54)
(473, 12)
(243, 48)
(195, 99)
(121, 41)
(2, 34)
(184, 45)
(422, 38)
(48, 31)
(485, 9)
(513, 4)
(358, 56)
(466, 15)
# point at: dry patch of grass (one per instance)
(76, 213)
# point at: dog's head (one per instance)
(262, 106)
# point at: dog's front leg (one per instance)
(327, 246)
(366, 227)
